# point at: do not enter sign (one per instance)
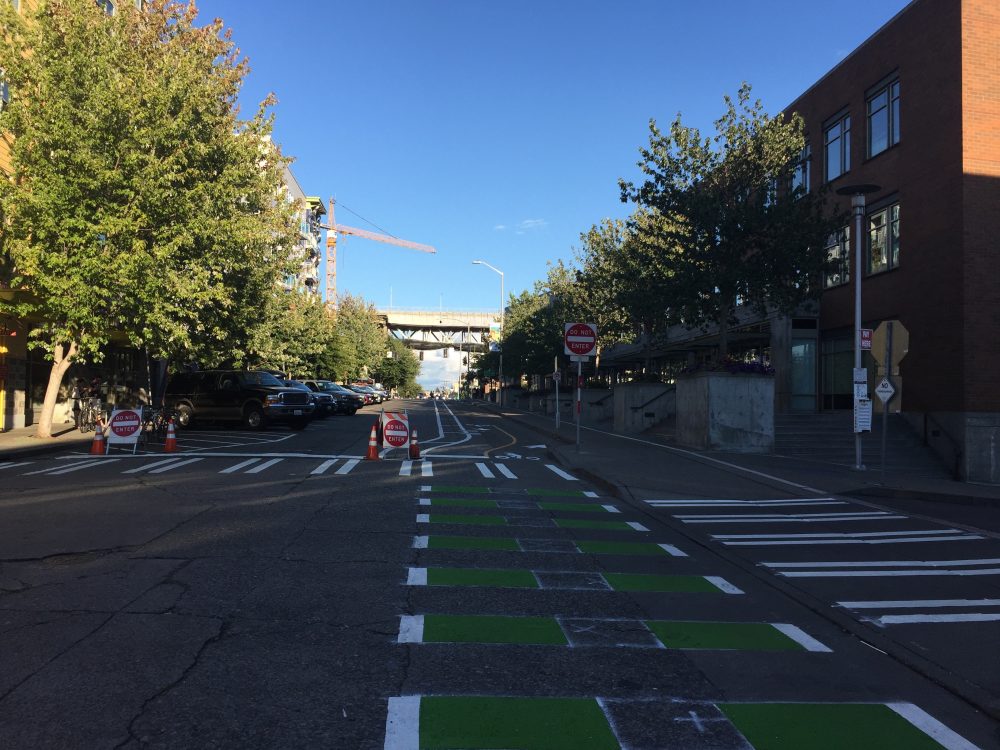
(125, 423)
(580, 339)
(395, 429)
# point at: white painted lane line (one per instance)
(402, 724)
(611, 509)
(420, 542)
(790, 518)
(173, 466)
(321, 469)
(13, 465)
(505, 471)
(416, 577)
(886, 563)
(636, 526)
(424, 501)
(672, 550)
(83, 464)
(348, 466)
(147, 467)
(920, 603)
(745, 503)
(931, 727)
(890, 573)
(560, 473)
(588, 493)
(265, 465)
(838, 534)
(411, 629)
(426, 468)
(405, 468)
(426, 488)
(723, 585)
(801, 637)
(930, 619)
(485, 471)
(423, 518)
(241, 465)
(907, 540)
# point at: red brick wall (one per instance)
(981, 191)
(922, 44)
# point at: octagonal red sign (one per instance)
(395, 433)
(125, 423)
(580, 338)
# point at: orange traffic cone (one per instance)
(372, 447)
(414, 448)
(97, 446)
(170, 444)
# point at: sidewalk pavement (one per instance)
(22, 443)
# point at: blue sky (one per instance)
(499, 130)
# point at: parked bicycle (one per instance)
(155, 420)
(92, 413)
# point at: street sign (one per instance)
(866, 339)
(900, 342)
(580, 338)
(579, 358)
(124, 428)
(862, 415)
(396, 429)
(884, 390)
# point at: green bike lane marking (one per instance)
(461, 502)
(533, 492)
(516, 723)
(506, 544)
(565, 523)
(569, 580)
(613, 632)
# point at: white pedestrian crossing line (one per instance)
(416, 577)
(672, 550)
(241, 465)
(502, 468)
(930, 619)
(560, 473)
(13, 464)
(886, 568)
(176, 465)
(426, 468)
(405, 468)
(348, 466)
(423, 518)
(265, 465)
(886, 563)
(801, 637)
(589, 493)
(927, 618)
(411, 629)
(723, 585)
(920, 603)
(484, 470)
(867, 537)
(421, 542)
(734, 503)
(147, 467)
(56, 469)
(931, 727)
(321, 469)
(789, 517)
(425, 501)
(636, 526)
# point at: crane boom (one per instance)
(333, 228)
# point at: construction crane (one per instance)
(333, 229)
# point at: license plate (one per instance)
(297, 412)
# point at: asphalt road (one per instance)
(273, 590)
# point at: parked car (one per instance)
(252, 397)
(368, 396)
(376, 399)
(382, 393)
(322, 401)
(345, 401)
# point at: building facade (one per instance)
(309, 248)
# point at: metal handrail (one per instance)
(660, 395)
(955, 445)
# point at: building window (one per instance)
(838, 246)
(883, 118)
(837, 147)
(107, 6)
(883, 239)
(801, 173)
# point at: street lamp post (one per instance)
(500, 369)
(858, 193)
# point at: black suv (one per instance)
(253, 397)
(345, 401)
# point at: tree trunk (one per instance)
(62, 358)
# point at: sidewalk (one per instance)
(638, 463)
(22, 443)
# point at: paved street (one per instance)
(272, 589)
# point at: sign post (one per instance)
(124, 428)
(555, 377)
(580, 341)
(885, 390)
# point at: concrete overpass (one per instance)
(440, 329)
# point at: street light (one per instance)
(857, 193)
(500, 369)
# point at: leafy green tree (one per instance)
(400, 370)
(140, 202)
(729, 228)
(358, 324)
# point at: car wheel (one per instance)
(298, 424)
(184, 416)
(253, 418)
(352, 412)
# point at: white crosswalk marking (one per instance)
(13, 464)
(321, 469)
(348, 466)
(672, 550)
(698, 503)
(560, 473)
(788, 517)
(801, 637)
(611, 509)
(81, 464)
(867, 537)
(147, 467)
(723, 585)
(426, 468)
(506, 472)
(171, 467)
(485, 471)
(265, 465)
(241, 465)
(405, 468)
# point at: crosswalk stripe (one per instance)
(560, 473)
(265, 465)
(321, 469)
(889, 573)
(502, 468)
(840, 534)
(13, 464)
(241, 465)
(920, 603)
(611, 509)
(744, 503)
(485, 471)
(147, 467)
(672, 550)
(637, 526)
(426, 468)
(885, 563)
(723, 585)
(173, 466)
(346, 468)
(411, 629)
(789, 518)
(82, 464)
(801, 637)
(420, 542)
(915, 619)
(405, 468)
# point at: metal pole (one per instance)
(501, 338)
(555, 376)
(887, 363)
(858, 204)
(579, 388)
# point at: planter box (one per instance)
(726, 411)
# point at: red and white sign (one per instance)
(866, 339)
(395, 429)
(580, 339)
(124, 427)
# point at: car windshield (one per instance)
(260, 378)
(326, 385)
(297, 385)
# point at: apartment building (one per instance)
(309, 247)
